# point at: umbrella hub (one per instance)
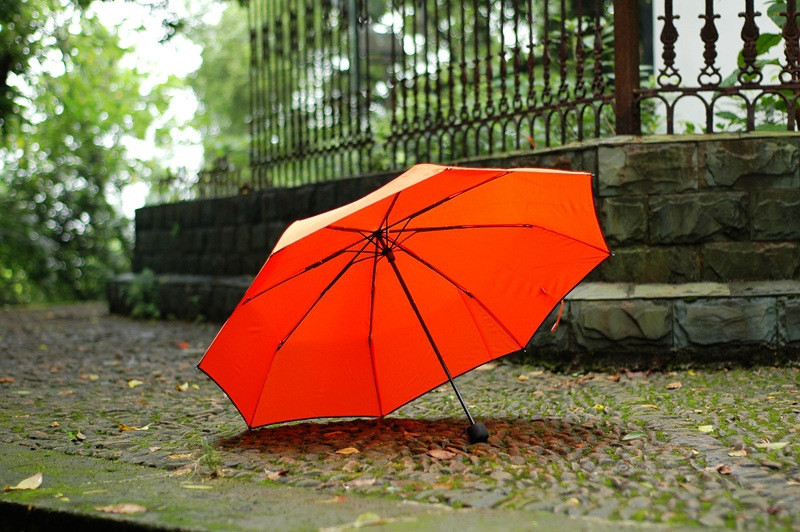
(383, 244)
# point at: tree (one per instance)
(60, 234)
(221, 85)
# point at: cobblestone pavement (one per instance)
(713, 447)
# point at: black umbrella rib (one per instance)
(495, 226)
(371, 325)
(445, 200)
(321, 295)
(310, 267)
(462, 289)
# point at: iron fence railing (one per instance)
(345, 87)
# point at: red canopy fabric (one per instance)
(326, 329)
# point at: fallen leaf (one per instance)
(180, 472)
(652, 407)
(55, 424)
(133, 383)
(123, 427)
(93, 377)
(182, 387)
(66, 392)
(740, 452)
(275, 475)
(368, 519)
(536, 373)
(522, 378)
(154, 448)
(361, 482)
(9, 380)
(194, 387)
(30, 483)
(487, 367)
(124, 508)
(338, 498)
(79, 436)
(723, 469)
(633, 436)
(183, 456)
(772, 445)
(614, 378)
(441, 454)
(182, 345)
(695, 452)
(674, 385)
(442, 486)
(599, 407)
(706, 428)
(347, 450)
(195, 487)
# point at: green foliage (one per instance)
(221, 85)
(141, 296)
(64, 158)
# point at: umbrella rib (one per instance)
(310, 267)
(445, 200)
(369, 337)
(428, 334)
(321, 295)
(495, 226)
(463, 290)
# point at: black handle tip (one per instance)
(477, 433)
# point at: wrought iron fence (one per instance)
(345, 87)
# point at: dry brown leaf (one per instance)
(360, 482)
(133, 383)
(614, 378)
(738, 452)
(124, 508)
(442, 486)
(182, 387)
(183, 456)
(123, 427)
(275, 475)
(9, 380)
(338, 498)
(347, 450)
(674, 385)
(441, 454)
(723, 469)
(55, 424)
(30, 483)
(80, 436)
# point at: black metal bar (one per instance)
(427, 332)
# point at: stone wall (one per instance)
(705, 232)
(673, 209)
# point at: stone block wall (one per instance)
(233, 236)
(674, 209)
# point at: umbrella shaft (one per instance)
(430, 338)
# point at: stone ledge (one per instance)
(604, 325)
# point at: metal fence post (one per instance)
(626, 66)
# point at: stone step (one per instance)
(603, 324)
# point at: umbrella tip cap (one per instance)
(477, 433)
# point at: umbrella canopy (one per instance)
(361, 309)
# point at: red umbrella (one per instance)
(361, 309)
